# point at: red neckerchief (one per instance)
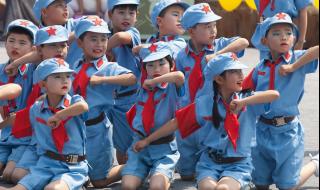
(264, 4)
(272, 66)
(81, 81)
(231, 125)
(11, 103)
(34, 95)
(196, 76)
(148, 111)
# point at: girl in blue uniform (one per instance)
(156, 104)
(230, 116)
(58, 125)
(280, 136)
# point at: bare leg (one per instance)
(57, 185)
(207, 184)
(18, 174)
(113, 176)
(227, 183)
(159, 182)
(130, 182)
(121, 158)
(7, 172)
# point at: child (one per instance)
(104, 77)
(296, 9)
(9, 91)
(51, 42)
(58, 125)
(19, 41)
(200, 21)
(230, 115)
(280, 126)
(156, 104)
(123, 16)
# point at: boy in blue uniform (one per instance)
(9, 91)
(96, 79)
(230, 115)
(200, 21)
(280, 126)
(156, 104)
(19, 41)
(51, 42)
(59, 129)
(295, 8)
(123, 16)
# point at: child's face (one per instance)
(94, 45)
(170, 22)
(231, 81)
(204, 33)
(17, 45)
(53, 50)
(123, 18)
(58, 84)
(157, 68)
(280, 38)
(56, 13)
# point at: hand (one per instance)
(286, 69)
(148, 84)
(236, 106)
(299, 45)
(11, 70)
(140, 145)
(54, 121)
(8, 121)
(96, 80)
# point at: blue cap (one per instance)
(221, 63)
(264, 27)
(198, 13)
(91, 24)
(155, 52)
(113, 3)
(51, 34)
(162, 5)
(50, 66)
(25, 24)
(42, 4)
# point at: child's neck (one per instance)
(226, 95)
(163, 33)
(275, 55)
(54, 99)
(196, 47)
(89, 59)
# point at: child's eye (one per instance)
(289, 33)
(276, 33)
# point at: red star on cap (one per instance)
(51, 31)
(234, 57)
(206, 9)
(60, 62)
(281, 16)
(153, 48)
(24, 23)
(97, 21)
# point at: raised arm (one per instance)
(120, 38)
(123, 80)
(303, 23)
(32, 57)
(176, 77)
(9, 91)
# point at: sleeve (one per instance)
(135, 37)
(259, 109)
(116, 70)
(223, 42)
(310, 67)
(77, 98)
(22, 126)
(177, 45)
(301, 4)
(250, 81)
(187, 121)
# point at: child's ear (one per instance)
(264, 41)
(34, 48)
(173, 68)
(159, 21)
(110, 14)
(219, 79)
(42, 84)
(80, 43)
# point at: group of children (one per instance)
(66, 105)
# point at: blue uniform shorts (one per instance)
(29, 158)
(11, 153)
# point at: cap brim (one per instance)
(237, 66)
(155, 56)
(208, 19)
(53, 40)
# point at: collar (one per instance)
(98, 63)
(64, 103)
(286, 57)
(167, 38)
(206, 48)
(22, 69)
(234, 96)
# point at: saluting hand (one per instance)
(286, 69)
(11, 70)
(236, 106)
(148, 84)
(54, 121)
(140, 145)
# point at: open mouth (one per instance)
(64, 88)
(59, 56)
(97, 51)
(14, 53)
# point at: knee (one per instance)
(17, 175)
(222, 187)
(51, 187)
(99, 183)
(207, 187)
(127, 186)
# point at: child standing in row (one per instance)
(281, 125)
(123, 16)
(59, 129)
(95, 80)
(156, 104)
(19, 41)
(200, 22)
(230, 115)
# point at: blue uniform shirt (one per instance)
(75, 127)
(291, 7)
(185, 63)
(290, 87)
(24, 79)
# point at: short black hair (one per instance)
(20, 30)
(168, 58)
(81, 37)
(130, 6)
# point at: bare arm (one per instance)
(303, 24)
(119, 38)
(9, 91)
(175, 77)
(164, 131)
(32, 57)
(123, 80)
(310, 55)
